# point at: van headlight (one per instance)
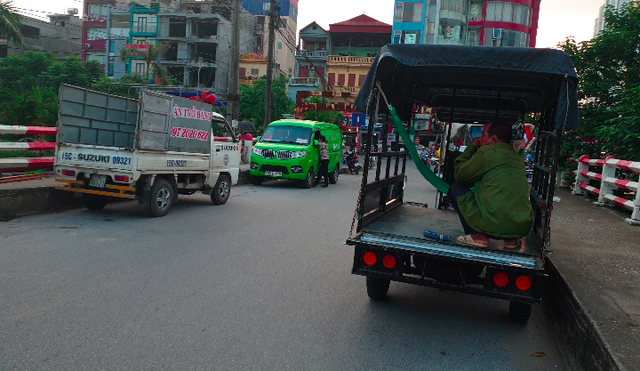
(298, 154)
(257, 151)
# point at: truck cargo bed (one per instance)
(403, 227)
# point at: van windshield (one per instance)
(287, 134)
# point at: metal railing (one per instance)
(25, 143)
(315, 81)
(349, 60)
(312, 53)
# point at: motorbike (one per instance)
(352, 162)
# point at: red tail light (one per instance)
(389, 261)
(121, 178)
(370, 258)
(68, 172)
(501, 279)
(523, 283)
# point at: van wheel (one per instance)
(519, 312)
(222, 190)
(308, 181)
(333, 177)
(256, 180)
(94, 202)
(160, 198)
(377, 288)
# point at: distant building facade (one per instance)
(615, 5)
(466, 22)
(60, 36)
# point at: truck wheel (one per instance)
(221, 190)
(308, 181)
(333, 177)
(94, 202)
(160, 198)
(519, 312)
(377, 288)
(256, 180)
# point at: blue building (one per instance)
(409, 22)
(288, 8)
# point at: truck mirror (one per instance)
(316, 143)
(258, 138)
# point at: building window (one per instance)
(341, 79)
(352, 79)
(96, 33)
(408, 12)
(99, 9)
(141, 25)
(473, 38)
(475, 12)
(139, 69)
(508, 12)
(502, 37)
(397, 36)
(279, 45)
(457, 6)
(332, 79)
(266, 6)
(30, 32)
(255, 71)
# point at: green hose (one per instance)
(424, 169)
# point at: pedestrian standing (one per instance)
(323, 153)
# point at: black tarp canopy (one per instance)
(480, 83)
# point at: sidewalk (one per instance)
(598, 255)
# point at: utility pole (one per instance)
(234, 95)
(268, 91)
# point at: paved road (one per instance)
(262, 283)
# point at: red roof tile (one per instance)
(361, 24)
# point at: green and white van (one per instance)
(287, 150)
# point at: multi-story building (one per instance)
(466, 22)
(284, 43)
(60, 36)
(354, 45)
(615, 5)
(199, 37)
(314, 44)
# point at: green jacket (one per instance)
(500, 206)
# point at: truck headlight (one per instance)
(298, 154)
(257, 151)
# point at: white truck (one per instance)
(151, 149)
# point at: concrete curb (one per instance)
(21, 202)
(584, 346)
(29, 201)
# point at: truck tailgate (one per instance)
(403, 229)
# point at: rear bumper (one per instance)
(110, 190)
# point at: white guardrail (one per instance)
(609, 183)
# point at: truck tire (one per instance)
(519, 312)
(377, 288)
(256, 180)
(222, 190)
(333, 177)
(94, 202)
(160, 198)
(308, 181)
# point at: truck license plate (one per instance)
(273, 173)
(98, 181)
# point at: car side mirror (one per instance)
(258, 138)
(316, 143)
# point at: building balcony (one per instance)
(304, 81)
(343, 89)
(322, 54)
(149, 30)
(340, 60)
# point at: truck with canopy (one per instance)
(465, 85)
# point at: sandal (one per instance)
(468, 240)
(515, 245)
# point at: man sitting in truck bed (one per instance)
(500, 207)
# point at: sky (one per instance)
(558, 18)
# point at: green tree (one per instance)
(331, 117)
(75, 72)
(609, 70)
(150, 56)
(35, 107)
(252, 101)
(23, 72)
(9, 22)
